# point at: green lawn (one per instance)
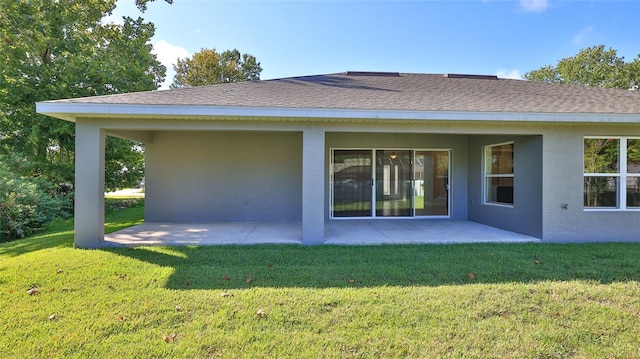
(467, 301)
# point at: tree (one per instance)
(594, 66)
(633, 73)
(26, 205)
(142, 4)
(209, 67)
(61, 49)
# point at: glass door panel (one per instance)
(431, 183)
(351, 172)
(393, 183)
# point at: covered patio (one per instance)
(346, 232)
(339, 158)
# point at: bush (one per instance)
(26, 205)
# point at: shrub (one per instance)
(26, 205)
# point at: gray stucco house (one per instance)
(555, 162)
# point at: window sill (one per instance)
(496, 204)
(611, 209)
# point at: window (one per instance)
(612, 173)
(498, 173)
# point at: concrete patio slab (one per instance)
(346, 232)
(205, 234)
(418, 231)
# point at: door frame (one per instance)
(373, 181)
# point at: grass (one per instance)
(467, 301)
(131, 193)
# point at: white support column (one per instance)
(313, 191)
(89, 186)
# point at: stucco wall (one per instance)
(210, 175)
(457, 144)
(564, 183)
(525, 216)
(224, 176)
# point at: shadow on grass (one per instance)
(235, 267)
(55, 237)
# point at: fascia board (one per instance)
(71, 111)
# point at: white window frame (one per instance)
(621, 175)
(486, 155)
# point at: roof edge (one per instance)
(71, 111)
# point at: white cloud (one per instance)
(535, 6)
(509, 74)
(583, 35)
(167, 55)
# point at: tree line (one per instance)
(595, 66)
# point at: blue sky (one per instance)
(293, 38)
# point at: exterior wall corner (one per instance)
(89, 185)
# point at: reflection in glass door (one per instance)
(352, 173)
(431, 179)
(390, 183)
(393, 183)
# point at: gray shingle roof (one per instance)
(419, 92)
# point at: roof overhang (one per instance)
(72, 111)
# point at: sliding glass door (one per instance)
(352, 176)
(393, 183)
(389, 183)
(431, 181)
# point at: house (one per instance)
(555, 162)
